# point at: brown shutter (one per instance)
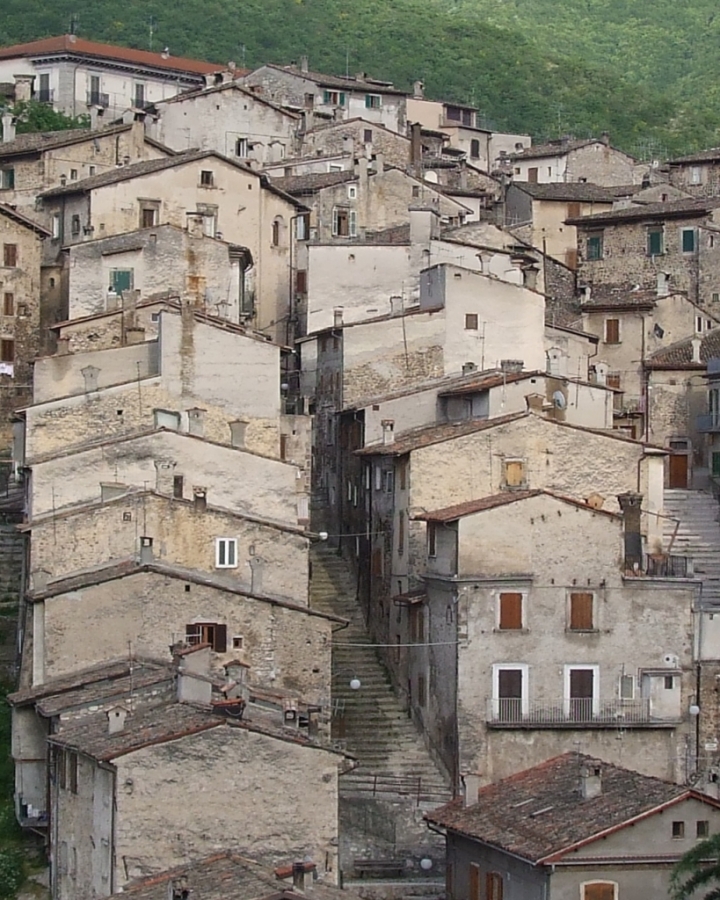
(401, 533)
(514, 473)
(573, 211)
(10, 255)
(377, 562)
(601, 890)
(301, 281)
(612, 331)
(510, 611)
(474, 892)
(220, 639)
(421, 690)
(533, 175)
(581, 612)
(493, 886)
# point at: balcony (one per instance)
(94, 99)
(575, 713)
(667, 565)
(708, 423)
(46, 96)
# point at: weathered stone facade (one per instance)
(355, 136)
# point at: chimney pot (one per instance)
(511, 365)
(591, 780)
(146, 550)
(418, 90)
(471, 785)
(388, 427)
(116, 719)
(338, 317)
(304, 64)
(200, 499)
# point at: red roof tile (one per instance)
(450, 513)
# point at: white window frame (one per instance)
(226, 547)
(352, 192)
(695, 175)
(596, 685)
(524, 697)
(633, 681)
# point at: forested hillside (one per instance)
(645, 73)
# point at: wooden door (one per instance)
(510, 694)
(581, 694)
(678, 470)
(474, 887)
(533, 175)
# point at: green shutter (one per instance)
(655, 242)
(688, 240)
(121, 280)
(368, 101)
(326, 97)
(342, 99)
(716, 464)
(594, 247)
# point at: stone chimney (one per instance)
(23, 87)
(416, 148)
(8, 128)
(424, 224)
(418, 90)
(96, 117)
(379, 163)
(630, 504)
(146, 551)
(590, 780)
(388, 429)
(303, 874)
(605, 138)
(511, 366)
(195, 225)
(471, 787)
(338, 317)
(696, 343)
(304, 64)
(194, 684)
(116, 716)
(469, 367)
(199, 499)
(348, 145)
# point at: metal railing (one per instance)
(45, 96)
(667, 565)
(411, 787)
(571, 711)
(94, 99)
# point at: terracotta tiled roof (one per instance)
(451, 513)
(574, 191)
(552, 148)
(36, 142)
(680, 354)
(540, 812)
(710, 155)
(11, 213)
(338, 81)
(671, 209)
(77, 46)
(483, 382)
(315, 181)
(619, 296)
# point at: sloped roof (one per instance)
(77, 46)
(228, 86)
(555, 148)
(36, 142)
(710, 155)
(671, 209)
(338, 81)
(312, 182)
(540, 814)
(619, 296)
(470, 507)
(680, 354)
(20, 219)
(573, 191)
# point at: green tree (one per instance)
(699, 869)
(33, 116)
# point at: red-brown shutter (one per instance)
(601, 890)
(581, 612)
(612, 331)
(220, 638)
(474, 893)
(10, 255)
(511, 611)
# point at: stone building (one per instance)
(330, 96)
(697, 173)
(21, 337)
(37, 162)
(74, 74)
(574, 828)
(547, 645)
(353, 137)
(202, 185)
(239, 123)
(566, 159)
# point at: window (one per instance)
(493, 886)
(688, 239)
(226, 553)
(417, 624)
(511, 612)
(533, 175)
(149, 216)
(91, 170)
(10, 255)
(276, 233)
(241, 147)
(344, 223)
(581, 700)
(334, 98)
(55, 227)
(474, 149)
(613, 381)
(696, 175)
(574, 210)
(301, 281)
(367, 136)
(612, 331)
(178, 482)
(75, 225)
(432, 539)
(668, 682)
(7, 179)
(8, 304)
(7, 350)
(302, 227)
(514, 472)
(94, 98)
(416, 190)
(471, 321)
(594, 246)
(167, 419)
(140, 96)
(581, 612)
(401, 533)
(73, 174)
(207, 178)
(207, 633)
(510, 700)
(352, 192)
(599, 890)
(702, 828)
(655, 242)
(121, 280)
(678, 830)
(627, 687)
(389, 481)
(44, 95)
(373, 101)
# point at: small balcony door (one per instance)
(510, 693)
(581, 697)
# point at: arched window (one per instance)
(278, 231)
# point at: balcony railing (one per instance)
(45, 96)
(573, 713)
(708, 423)
(94, 99)
(667, 565)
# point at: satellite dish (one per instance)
(559, 400)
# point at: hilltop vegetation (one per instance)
(544, 66)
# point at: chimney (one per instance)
(418, 90)
(535, 403)
(8, 128)
(696, 343)
(424, 225)
(116, 719)
(469, 367)
(338, 317)
(63, 346)
(511, 365)
(146, 551)
(605, 138)
(199, 499)
(388, 427)
(304, 64)
(348, 145)
(298, 876)
(416, 148)
(471, 785)
(379, 163)
(96, 114)
(590, 780)
(195, 225)
(23, 87)
(630, 505)
(194, 684)
(134, 335)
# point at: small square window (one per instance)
(627, 687)
(594, 246)
(73, 174)
(237, 642)
(678, 830)
(471, 321)
(373, 101)
(669, 682)
(207, 178)
(226, 553)
(702, 828)
(367, 136)
(91, 170)
(127, 517)
(352, 192)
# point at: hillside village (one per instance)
(359, 474)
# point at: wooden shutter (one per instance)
(514, 473)
(493, 886)
(573, 210)
(474, 892)
(533, 175)
(301, 281)
(220, 639)
(510, 611)
(612, 331)
(581, 612)
(10, 255)
(449, 881)
(600, 890)
(571, 258)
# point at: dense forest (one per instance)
(647, 73)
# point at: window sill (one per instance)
(226, 567)
(511, 631)
(612, 343)
(582, 631)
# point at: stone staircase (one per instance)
(698, 536)
(370, 722)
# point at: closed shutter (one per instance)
(573, 210)
(600, 890)
(220, 639)
(474, 893)
(533, 175)
(510, 611)
(10, 255)
(514, 473)
(571, 258)
(301, 281)
(612, 331)
(121, 280)
(493, 886)
(581, 612)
